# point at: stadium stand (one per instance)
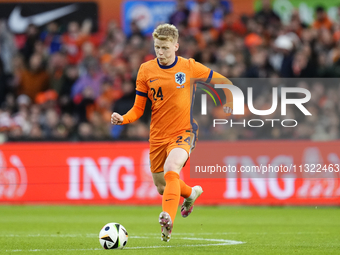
(62, 84)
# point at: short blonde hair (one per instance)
(166, 32)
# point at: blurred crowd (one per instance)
(62, 83)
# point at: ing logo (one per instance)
(13, 177)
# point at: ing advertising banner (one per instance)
(119, 173)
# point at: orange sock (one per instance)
(185, 189)
(171, 194)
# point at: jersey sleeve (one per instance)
(207, 75)
(141, 83)
(201, 71)
(136, 111)
(218, 78)
(141, 97)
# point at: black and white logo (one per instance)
(21, 15)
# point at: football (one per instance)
(113, 236)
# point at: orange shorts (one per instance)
(160, 151)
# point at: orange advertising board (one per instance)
(118, 173)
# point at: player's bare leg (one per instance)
(159, 181)
(172, 167)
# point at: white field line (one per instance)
(95, 235)
(154, 234)
(219, 242)
(35, 250)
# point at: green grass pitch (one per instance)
(208, 230)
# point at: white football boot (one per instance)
(166, 224)
(188, 203)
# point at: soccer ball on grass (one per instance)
(113, 236)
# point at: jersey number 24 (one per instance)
(158, 94)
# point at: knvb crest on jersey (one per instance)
(180, 79)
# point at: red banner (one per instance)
(119, 173)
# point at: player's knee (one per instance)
(160, 188)
(172, 166)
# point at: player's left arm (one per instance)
(220, 79)
(208, 76)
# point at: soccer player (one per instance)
(166, 81)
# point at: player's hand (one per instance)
(228, 108)
(116, 119)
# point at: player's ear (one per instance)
(176, 46)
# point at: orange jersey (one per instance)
(171, 94)
(168, 87)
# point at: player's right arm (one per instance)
(134, 114)
(138, 108)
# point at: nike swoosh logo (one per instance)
(153, 80)
(169, 199)
(19, 24)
